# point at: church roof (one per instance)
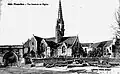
(52, 44)
(51, 41)
(69, 40)
(39, 39)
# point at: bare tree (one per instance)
(117, 16)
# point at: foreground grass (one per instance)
(18, 70)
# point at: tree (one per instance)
(117, 16)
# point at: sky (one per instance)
(91, 20)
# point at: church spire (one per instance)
(60, 20)
(60, 11)
(60, 24)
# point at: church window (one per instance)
(110, 48)
(32, 43)
(63, 49)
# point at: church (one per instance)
(58, 46)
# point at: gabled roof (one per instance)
(50, 39)
(26, 44)
(101, 44)
(53, 38)
(95, 45)
(39, 39)
(69, 41)
(109, 42)
(52, 44)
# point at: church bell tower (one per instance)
(60, 25)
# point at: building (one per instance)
(102, 49)
(55, 46)
(108, 49)
(116, 47)
(87, 46)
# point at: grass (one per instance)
(17, 70)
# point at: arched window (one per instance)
(63, 49)
(32, 43)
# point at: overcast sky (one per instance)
(89, 19)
